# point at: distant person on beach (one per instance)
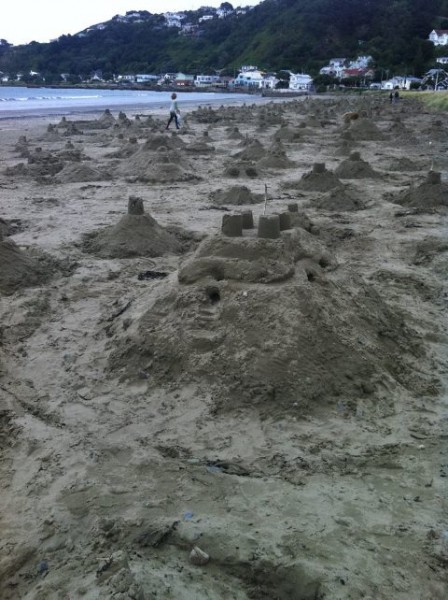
(174, 112)
(396, 96)
(391, 97)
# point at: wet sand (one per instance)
(278, 403)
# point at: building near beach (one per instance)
(300, 82)
(206, 80)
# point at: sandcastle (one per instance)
(354, 168)
(304, 340)
(319, 179)
(136, 234)
(432, 193)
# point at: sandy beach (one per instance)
(257, 412)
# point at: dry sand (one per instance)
(279, 404)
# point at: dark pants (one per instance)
(173, 115)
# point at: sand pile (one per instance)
(78, 173)
(21, 269)
(129, 149)
(72, 154)
(302, 343)
(107, 118)
(157, 140)
(287, 134)
(355, 168)
(276, 158)
(433, 193)
(200, 147)
(403, 164)
(319, 179)
(254, 150)
(41, 165)
(137, 234)
(206, 115)
(159, 167)
(234, 134)
(22, 147)
(236, 195)
(366, 130)
(339, 199)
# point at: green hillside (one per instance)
(277, 34)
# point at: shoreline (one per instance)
(155, 108)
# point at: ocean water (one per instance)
(24, 102)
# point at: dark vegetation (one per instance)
(275, 35)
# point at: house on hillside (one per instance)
(400, 82)
(146, 78)
(439, 37)
(184, 80)
(205, 18)
(300, 82)
(173, 19)
(206, 80)
(269, 82)
(442, 60)
(249, 78)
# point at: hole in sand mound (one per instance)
(213, 294)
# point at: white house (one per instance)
(439, 37)
(205, 18)
(145, 78)
(173, 19)
(206, 80)
(443, 60)
(249, 78)
(300, 82)
(269, 82)
(402, 82)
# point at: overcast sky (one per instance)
(24, 21)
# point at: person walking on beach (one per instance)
(174, 112)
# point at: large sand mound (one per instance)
(355, 168)
(319, 179)
(21, 269)
(77, 173)
(339, 199)
(158, 167)
(433, 193)
(365, 129)
(288, 347)
(137, 235)
(236, 195)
